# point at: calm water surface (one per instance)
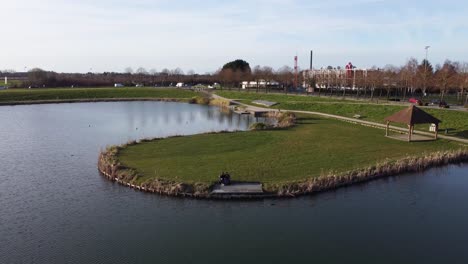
(56, 208)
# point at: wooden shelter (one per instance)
(412, 116)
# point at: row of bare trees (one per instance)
(227, 77)
(38, 77)
(411, 79)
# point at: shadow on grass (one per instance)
(462, 134)
(454, 132)
(306, 120)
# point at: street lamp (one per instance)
(425, 69)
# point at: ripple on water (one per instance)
(56, 208)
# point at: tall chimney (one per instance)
(311, 59)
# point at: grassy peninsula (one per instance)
(314, 147)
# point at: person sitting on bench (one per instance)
(225, 178)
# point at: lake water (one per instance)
(56, 208)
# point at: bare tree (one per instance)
(178, 73)
(191, 76)
(191, 72)
(425, 75)
(462, 80)
(286, 76)
(390, 74)
(153, 72)
(128, 70)
(445, 78)
(164, 76)
(375, 79)
(257, 75)
(226, 76)
(141, 71)
(267, 76)
(409, 74)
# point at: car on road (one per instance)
(440, 103)
(416, 101)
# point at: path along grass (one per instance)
(455, 122)
(18, 95)
(313, 148)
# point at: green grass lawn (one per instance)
(312, 148)
(10, 82)
(13, 95)
(455, 121)
(252, 95)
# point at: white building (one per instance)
(260, 84)
(343, 78)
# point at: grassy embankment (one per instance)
(455, 122)
(27, 95)
(315, 147)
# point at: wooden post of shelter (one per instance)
(409, 133)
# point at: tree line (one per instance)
(412, 78)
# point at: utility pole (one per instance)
(426, 62)
(311, 75)
(296, 73)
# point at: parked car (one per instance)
(439, 103)
(443, 104)
(416, 101)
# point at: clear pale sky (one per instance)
(105, 35)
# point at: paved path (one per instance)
(347, 119)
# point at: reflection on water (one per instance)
(146, 115)
(56, 208)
